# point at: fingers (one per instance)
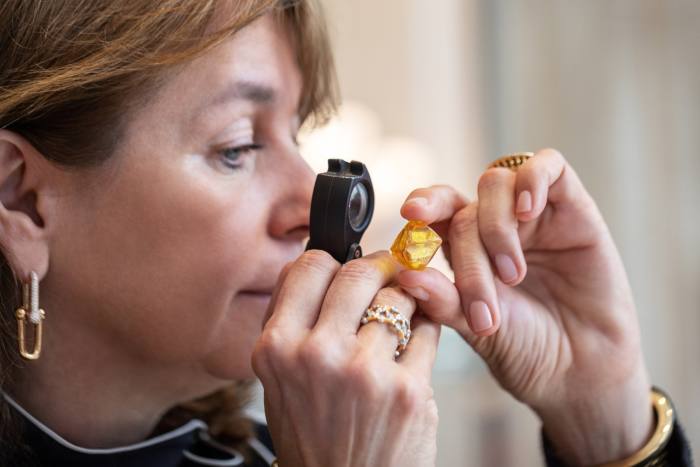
(275, 293)
(507, 197)
(545, 177)
(382, 337)
(434, 204)
(352, 290)
(498, 226)
(436, 296)
(419, 356)
(474, 277)
(301, 292)
(316, 292)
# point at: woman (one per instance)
(151, 184)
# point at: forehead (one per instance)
(261, 53)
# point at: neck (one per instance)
(93, 396)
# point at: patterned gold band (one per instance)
(390, 316)
(511, 161)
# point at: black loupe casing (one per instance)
(341, 209)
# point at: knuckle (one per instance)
(528, 176)
(449, 193)
(259, 361)
(315, 354)
(470, 275)
(271, 351)
(464, 221)
(491, 178)
(548, 160)
(359, 270)
(490, 230)
(366, 377)
(410, 395)
(318, 260)
(418, 192)
(272, 344)
(552, 152)
(396, 297)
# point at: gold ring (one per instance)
(512, 161)
(390, 315)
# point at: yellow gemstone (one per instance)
(416, 245)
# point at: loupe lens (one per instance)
(357, 208)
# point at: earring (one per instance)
(31, 308)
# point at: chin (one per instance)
(231, 360)
(235, 338)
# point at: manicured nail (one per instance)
(506, 268)
(416, 202)
(524, 202)
(418, 292)
(480, 316)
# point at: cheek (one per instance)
(163, 266)
(201, 256)
(226, 353)
(223, 323)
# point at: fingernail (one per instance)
(506, 268)
(480, 316)
(418, 292)
(416, 202)
(524, 202)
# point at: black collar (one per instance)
(186, 446)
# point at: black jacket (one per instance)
(190, 446)
(186, 446)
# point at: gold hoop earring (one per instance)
(30, 311)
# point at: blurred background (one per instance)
(434, 90)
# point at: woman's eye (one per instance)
(233, 156)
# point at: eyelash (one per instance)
(237, 151)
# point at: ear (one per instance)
(23, 238)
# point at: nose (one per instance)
(289, 218)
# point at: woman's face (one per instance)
(169, 253)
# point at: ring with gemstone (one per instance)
(512, 161)
(390, 316)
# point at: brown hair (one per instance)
(71, 71)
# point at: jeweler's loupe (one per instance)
(341, 209)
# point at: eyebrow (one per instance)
(252, 91)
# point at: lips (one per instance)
(262, 297)
(257, 293)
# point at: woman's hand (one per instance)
(334, 395)
(546, 301)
